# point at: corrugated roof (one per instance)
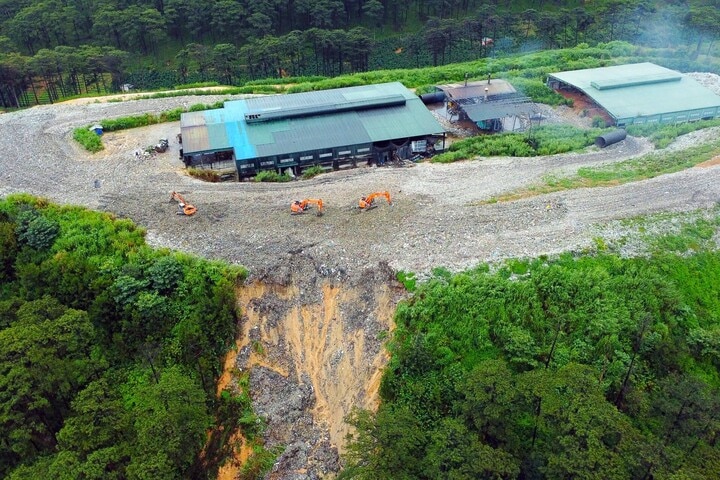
(640, 89)
(371, 121)
(306, 134)
(486, 111)
(280, 113)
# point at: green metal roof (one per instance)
(639, 90)
(301, 122)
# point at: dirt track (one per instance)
(330, 297)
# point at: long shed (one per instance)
(364, 123)
(641, 93)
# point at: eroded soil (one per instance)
(313, 349)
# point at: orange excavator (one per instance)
(184, 208)
(368, 203)
(300, 206)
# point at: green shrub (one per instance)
(88, 139)
(598, 122)
(272, 176)
(407, 279)
(538, 91)
(198, 107)
(449, 157)
(92, 143)
(35, 230)
(123, 123)
(171, 115)
(313, 171)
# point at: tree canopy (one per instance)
(51, 49)
(578, 367)
(109, 350)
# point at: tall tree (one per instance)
(704, 23)
(143, 28)
(44, 358)
(321, 13)
(170, 421)
(225, 61)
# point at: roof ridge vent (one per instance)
(271, 114)
(635, 80)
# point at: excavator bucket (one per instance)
(184, 208)
(369, 202)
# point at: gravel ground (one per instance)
(710, 81)
(434, 221)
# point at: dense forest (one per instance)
(109, 350)
(50, 49)
(591, 366)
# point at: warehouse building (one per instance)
(641, 93)
(331, 128)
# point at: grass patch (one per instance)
(134, 121)
(662, 135)
(261, 461)
(272, 176)
(312, 172)
(257, 347)
(648, 166)
(196, 85)
(545, 140)
(88, 139)
(285, 80)
(659, 233)
(692, 236)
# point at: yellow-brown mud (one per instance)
(710, 163)
(312, 339)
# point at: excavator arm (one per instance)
(184, 208)
(298, 206)
(368, 202)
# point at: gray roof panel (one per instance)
(486, 111)
(360, 115)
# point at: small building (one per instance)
(331, 128)
(640, 93)
(97, 129)
(492, 105)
